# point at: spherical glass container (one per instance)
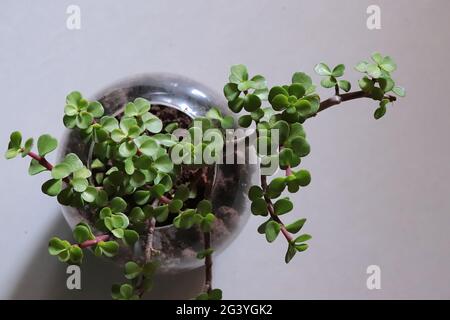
(177, 248)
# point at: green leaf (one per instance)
(27, 147)
(11, 154)
(90, 194)
(251, 102)
(182, 193)
(245, 121)
(56, 246)
(70, 110)
(163, 164)
(109, 248)
(344, 85)
(204, 253)
(322, 69)
(215, 294)
(82, 232)
(161, 213)
(132, 270)
(388, 64)
(236, 105)
(276, 186)
(127, 149)
(275, 91)
(361, 67)
(74, 163)
(401, 92)
(154, 125)
(95, 108)
(109, 123)
(231, 91)
(84, 120)
(76, 254)
(15, 140)
(255, 192)
(377, 58)
(296, 90)
(296, 226)
(175, 205)
(301, 247)
(79, 184)
(328, 82)
(379, 112)
(366, 84)
(238, 74)
(52, 187)
(300, 146)
(74, 98)
(303, 79)
(61, 171)
(131, 110)
(35, 168)
(280, 102)
(204, 207)
(46, 144)
(338, 71)
(302, 238)
(118, 205)
(142, 105)
(227, 122)
(283, 206)
(126, 291)
(272, 230)
(303, 177)
(290, 253)
(374, 71)
(259, 207)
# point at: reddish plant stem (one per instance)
(164, 200)
(43, 162)
(90, 243)
(289, 237)
(288, 171)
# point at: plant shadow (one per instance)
(44, 277)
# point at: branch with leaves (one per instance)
(129, 188)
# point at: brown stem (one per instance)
(43, 162)
(208, 262)
(90, 243)
(289, 237)
(338, 99)
(164, 200)
(149, 243)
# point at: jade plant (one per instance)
(130, 187)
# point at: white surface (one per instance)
(380, 191)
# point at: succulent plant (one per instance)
(129, 186)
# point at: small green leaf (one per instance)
(175, 205)
(374, 71)
(182, 193)
(302, 238)
(328, 82)
(255, 192)
(303, 177)
(283, 206)
(61, 171)
(338, 71)
(89, 195)
(296, 226)
(215, 294)
(204, 253)
(127, 149)
(15, 140)
(251, 102)
(259, 207)
(82, 233)
(300, 146)
(76, 254)
(35, 168)
(322, 69)
(290, 253)
(52, 187)
(118, 205)
(400, 91)
(303, 79)
(280, 102)
(204, 207)
(56, 246)
(379, 112)
(231, 91)
(163, 164)
(109, 248)
(95, 108)
(344, 85)
(154, 125)
(27, 147)
(361, 67)
(272, 230)
(245, 121)
(227, 122)
(79, 184)
(238, 74)
(46, 144)
(132, 270)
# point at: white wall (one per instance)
(380, 188)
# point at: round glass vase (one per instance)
(177, 249)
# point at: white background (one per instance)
(380, 190)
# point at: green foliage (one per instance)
(130, 182)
